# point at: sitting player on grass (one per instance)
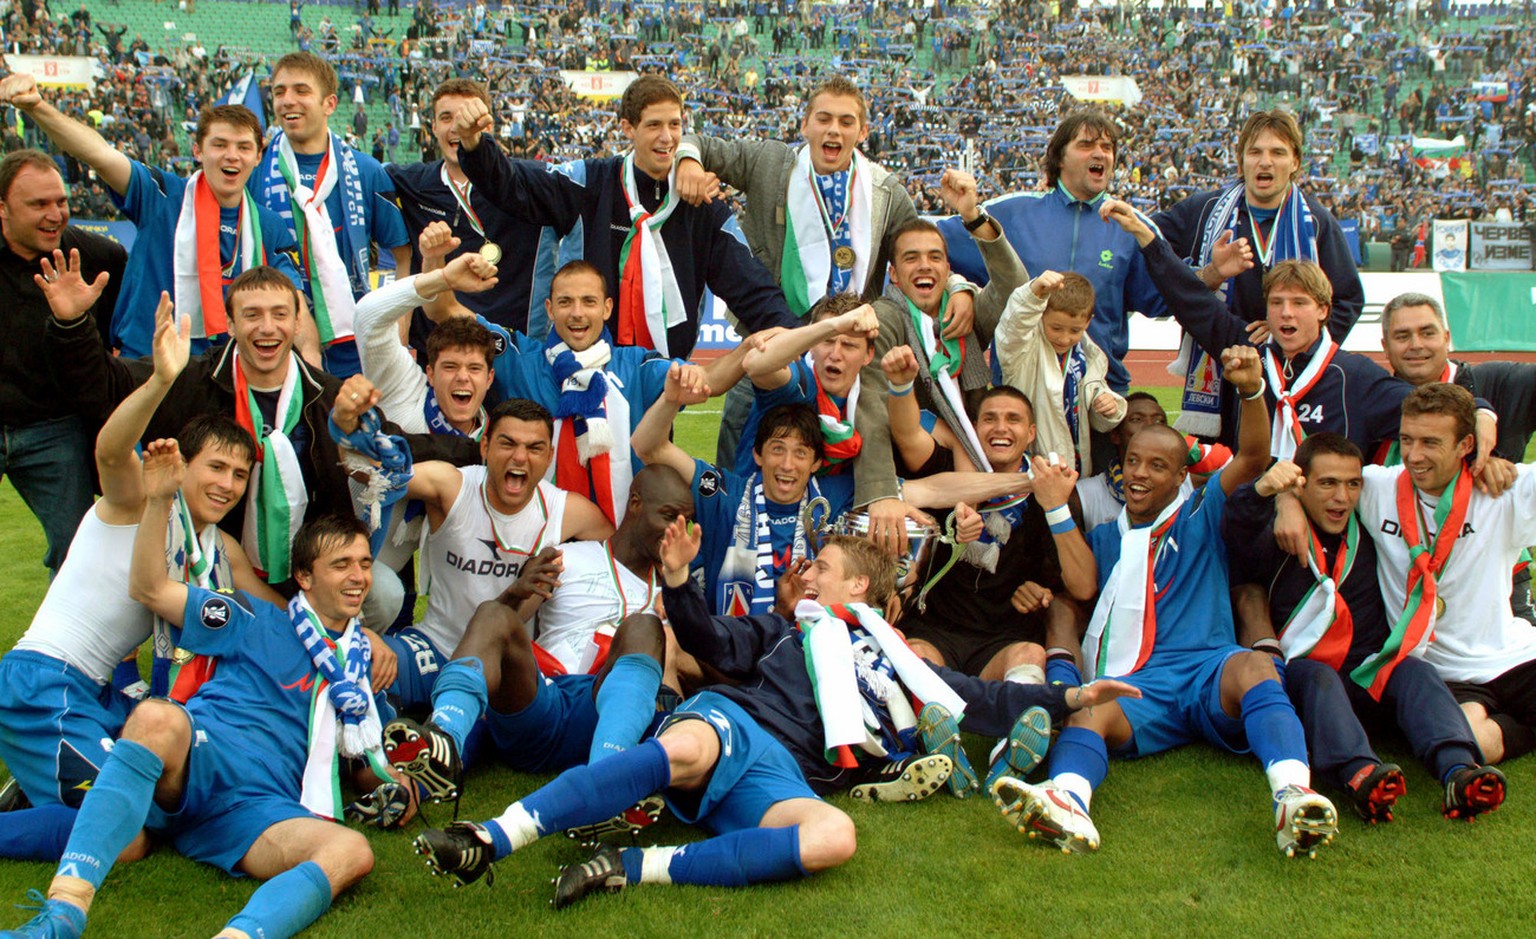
(237, 775)
(1162, 623)
(724, 757)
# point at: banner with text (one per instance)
(1500, 247)
(73, 71)
(597, 84)
(1121, 89)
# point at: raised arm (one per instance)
(725, 371)
(905, 417)
(1240, 366)
(652, 439)
(704, 162)
(769, 368)
(122, 480)
(532, 192)
(69, 135)
(148, 581)
(946, 490)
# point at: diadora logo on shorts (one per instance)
(492, 566)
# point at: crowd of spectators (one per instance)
(978, 85)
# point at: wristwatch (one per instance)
(981, 219)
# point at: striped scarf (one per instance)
(806, 271)
(747, 573)
(198, 269)
(194, 557)
(1321, 626)
(1124, 624)
(276, 498)
(650, 301)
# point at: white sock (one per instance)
(1025, 675)
(1075, 785)
(520, 828)
(655, 865)
(997, 750)
(1282, 773)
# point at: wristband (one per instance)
(981, 219)
(1267, 646)
(1257, 395)
(1060, 519)
(901, 390)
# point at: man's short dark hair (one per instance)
(215, 430)
(331, 530)
(1004, 391)
(791, 420)
(520, 409)
(1096, 122)
(14, 163)
(842, 87)
(644, 92)
(1442, 398)
(235, 115)
(261, 277)
(461, 88)
(1321, 443)
(580, 266)
(906, 228)
(1143, 396)
(323, 73)
(461, 332)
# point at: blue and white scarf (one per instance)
(583, 392)
(337, 266)
(834, 195)
(385, 461)
(1293, 237)
(342, 700)
(746, 581)
(1073, 368)
(437, 423)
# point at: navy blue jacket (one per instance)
(764, 655)
(1355, 396)
(1183, 224)
(1249, 530)
(1510, 388)
(585, 198)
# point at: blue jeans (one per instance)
(49, 463)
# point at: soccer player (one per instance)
(745, 761)
(1103, 496)
(336, 199)
(951, 372)
(1172, 642)
(1266, 209)
(657, 253)
(59, 709)
(222, 777)
(1341, 660)
(1446, 551)
(195, 235)
(438, 191)
(483, 522)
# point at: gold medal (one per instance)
(843, 257)
(491, 251)
(182, 656)
(1439, 607)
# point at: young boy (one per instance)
(1045, 352)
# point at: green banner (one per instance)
(1491, 312)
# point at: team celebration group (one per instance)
(936, 506)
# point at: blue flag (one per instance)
(248, 93)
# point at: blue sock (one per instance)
(1080, 752)
(1274, 731)
(125, 674)
(459, 697)
(1062, 672)
(626, 702)
(734, 859)
(585, 794)
(112, 812)
(36, 834)
(287, 903)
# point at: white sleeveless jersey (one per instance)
(476, 552)
(87, 618)
(595, 591)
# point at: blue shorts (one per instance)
(554, 732)
(753, 774)
(229, 799)
(1181, 703)
(56, 726)
(421, 661)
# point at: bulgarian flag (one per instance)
(1439, 148)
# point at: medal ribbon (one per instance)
(491, 513)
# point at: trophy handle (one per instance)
(815, 534)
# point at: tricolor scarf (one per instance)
(1124, 624)
(850, 693)
(275, 499)
(437, 423)
(1321, 626)
(1416, 624)
(198, 269)
(586, 434)
(1292, 237)
(194, 557)
(342, 700)
(806, 271)
(336, 265)
(746, 579)
(1285, 431)
(843, 441)
(650, 301)
(944, 359)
